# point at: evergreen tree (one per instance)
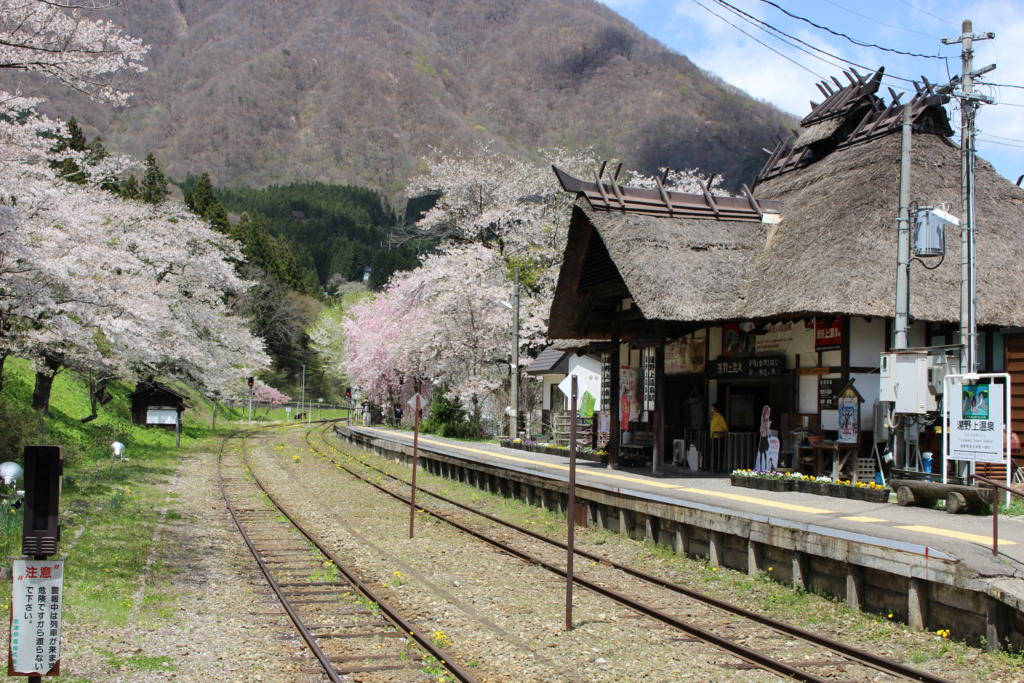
(202, 201)
(74, 141)
(128, 188)
(154, 188)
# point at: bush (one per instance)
(447, 418)
(17, 429)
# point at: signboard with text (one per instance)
(37, 588)
(748, 368)
(977, 423)
(828, 333)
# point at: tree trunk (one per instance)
(44, 383)
(97, 387)
(213, 417)
(3, 357)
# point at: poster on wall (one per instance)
(629, 396)
(775, 339)
(828, 333)
(684, 356)
(736, 342)
(848, 414)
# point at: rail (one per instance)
(995, 506)
(869, 659)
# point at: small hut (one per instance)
(156, 404)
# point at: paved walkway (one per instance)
(963, 537)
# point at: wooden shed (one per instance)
(156, 404)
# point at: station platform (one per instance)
(966, 538)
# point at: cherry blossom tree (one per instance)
(443, 321)
(113, 288)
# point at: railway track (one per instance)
(614, 580)
(347, 628)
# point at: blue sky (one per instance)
(786, 80)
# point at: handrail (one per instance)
(995, 506)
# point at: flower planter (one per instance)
(876, 495)
(857, 492)
(738, 480)
(805, 486)
(839, 490)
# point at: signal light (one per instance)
(251, 381)
(348, 392)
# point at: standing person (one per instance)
(719, 430)
(366, 413)
(398, 415)
(762, 462)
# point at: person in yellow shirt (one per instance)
(719, 428)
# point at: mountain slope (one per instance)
(265, 91)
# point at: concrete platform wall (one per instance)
(877, 579)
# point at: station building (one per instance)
(785, 294)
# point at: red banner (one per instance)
(828, 333)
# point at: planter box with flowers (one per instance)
(765, 481)
(822, 486)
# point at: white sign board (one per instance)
(161, 416)
(417, 400)
(977, 428)
(37, 593)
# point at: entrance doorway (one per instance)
(743, 404)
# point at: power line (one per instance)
(880, 23)
(781, 39)
(771, 28)
(786, 57)
(914, 7)
(1002, 85)
(839, 34)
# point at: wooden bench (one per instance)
(926, 493)
(639, 451)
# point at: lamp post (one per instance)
(514, 307)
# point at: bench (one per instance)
(639, 451)
(926, 493)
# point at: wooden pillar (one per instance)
(658, 452)
(613, 407)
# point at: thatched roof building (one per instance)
(832, 252)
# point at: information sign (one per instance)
(417, 400)
(976, 423)
(37, 594)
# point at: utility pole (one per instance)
(902, 321)
(302, 394)
(969, 104)
(514, 416)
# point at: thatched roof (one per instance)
(834, 251)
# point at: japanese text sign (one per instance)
(37, 595)
(976, 426)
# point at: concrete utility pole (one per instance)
(513, 431)
(902, 321)
(969, 104)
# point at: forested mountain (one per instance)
(261, 92)
(340, 231)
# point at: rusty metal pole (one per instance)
(995, 522)
(570, 544)
(415, 454)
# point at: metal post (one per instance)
(302, 392)
(969, 104)
(572, 508)
(415, 454)
(514, 417)
(995, 521)
(902, 321)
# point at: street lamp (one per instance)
(514, 307)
